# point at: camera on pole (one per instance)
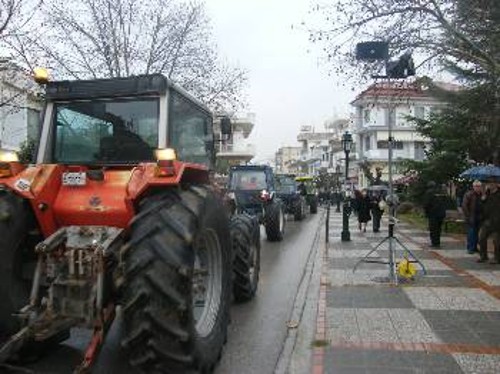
(401, 68)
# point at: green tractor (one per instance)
(307, 187)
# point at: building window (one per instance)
(367, 143)
(384, 144)
(390, 117)
(33, 124)
(419, 151)
(419, 112)
(366, 116)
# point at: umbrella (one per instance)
(378, 187)
(482, 173)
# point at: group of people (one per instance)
(368, 207)
(481, 209)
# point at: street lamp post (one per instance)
(337, 188)
(346, 207)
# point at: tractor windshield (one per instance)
(105, 131)
(286, 185)
(248, 180)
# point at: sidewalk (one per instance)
(447, 321)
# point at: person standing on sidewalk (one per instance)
(377, 203)
(435, 211)
(364, 206)
(490, 224)
(471, 207)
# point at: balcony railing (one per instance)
(235, 149)
(383, 154)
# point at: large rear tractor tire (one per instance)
(274, 222)
(245, 237)
(177, 283)
(14, 291)
(314, 205)
(298, 211)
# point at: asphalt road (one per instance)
(258, 328)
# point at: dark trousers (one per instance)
(376, 221)
(485, 232)
(435, 225)
(472, 237)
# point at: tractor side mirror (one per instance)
(225, 126)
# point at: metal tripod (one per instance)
(391, 239)
(391, 261)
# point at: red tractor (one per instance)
(118, 211)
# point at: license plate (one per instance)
(74, 179)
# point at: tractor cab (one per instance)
(123, 122)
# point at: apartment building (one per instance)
(391, 104)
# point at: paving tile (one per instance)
(459, 336)
(478, 364)
(490, 277)
(368, 297)
(490, 338)
(424, 298)
(440, 320)
(470, 263)
(375, 370)
(342, 325)
(346, 357)
(494, 316)
(411, 326)
(467, 316)
(455, 253)
(352, 253)
(348, 263)
(452, 298)
(439, 278)
(434, 265)
(375, 326)
(341, 277)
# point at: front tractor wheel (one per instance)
(275, 222)
(245, 237)
(14, 291)
(177, 284)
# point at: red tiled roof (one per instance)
(402, 89)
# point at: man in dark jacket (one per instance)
(471, 207)
(490, 223)
(435, 211)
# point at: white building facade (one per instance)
(20, 106)
(287, 160)
(237, 149)
(384, 105)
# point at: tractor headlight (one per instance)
(8, 156)
(165, 164)
(166, 154)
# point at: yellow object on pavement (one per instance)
(406, 269)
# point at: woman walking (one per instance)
(364, 207)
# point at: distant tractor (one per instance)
(251, 190)
(294, 201)
(118, 210)
(309, 190)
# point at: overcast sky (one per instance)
(288, 86)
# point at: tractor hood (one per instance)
(63, 195)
